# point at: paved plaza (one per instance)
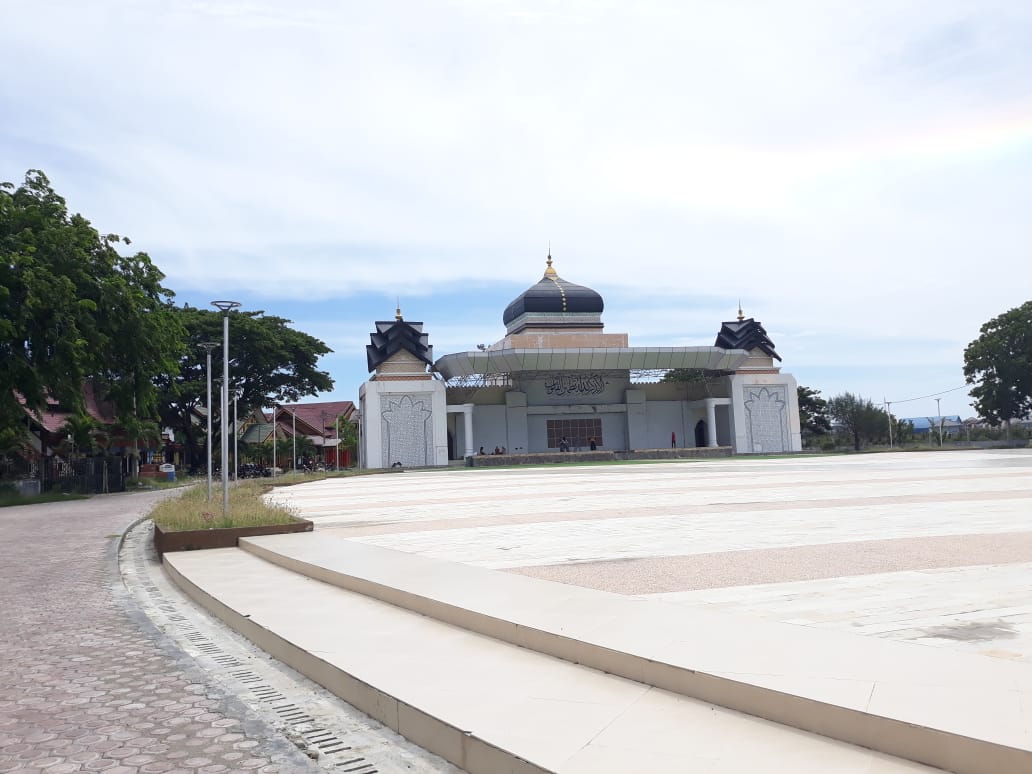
(933, 548)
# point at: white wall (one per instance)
(372, 398)
(489, 428)
(664, 417)
(753, 433)
(723, 425)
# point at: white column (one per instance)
(467, 427)
(711, 422)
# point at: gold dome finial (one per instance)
(397, 312)
(549, 271)
(741, 316)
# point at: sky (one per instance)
(858, 175)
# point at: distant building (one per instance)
(48, 435)
(96, 457)
(952, 426)
(316, 421)
(557, 375)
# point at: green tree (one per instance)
(270, 362)
(903, 430)
(347, 432)
(999, 365)
(685, 375)
(303, 446)
(859, 418)
(81, 430)
(73, 307)
(136, 430)
(257, 452)
(13, 438)
(813, 414)
(697, 382)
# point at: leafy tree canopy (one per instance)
(72, 306)
(999, 364)
(860, 419)
(697, 382)
(270, 362)
(813, 413)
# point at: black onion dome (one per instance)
(554, 295)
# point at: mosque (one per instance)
(558, 382)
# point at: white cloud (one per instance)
(855, 171)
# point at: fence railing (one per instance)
(89, 475)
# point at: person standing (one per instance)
(564, 445)
(673, 439)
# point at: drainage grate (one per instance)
(365, 768)
(308, 721)
(326, 742)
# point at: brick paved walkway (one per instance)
(87, 683)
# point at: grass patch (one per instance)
(191, 510)
(247, 508)
(7, 500)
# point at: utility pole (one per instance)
(888, 410)
(322, 431)
(938, 411)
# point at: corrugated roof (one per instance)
(54, 415)
(923, 423)
(318, 416)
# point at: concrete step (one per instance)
(955, 711)
(487, 705)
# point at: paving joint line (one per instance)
(344, 737)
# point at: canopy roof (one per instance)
(503, 361)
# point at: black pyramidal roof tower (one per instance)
(745, 334)
(393, 336)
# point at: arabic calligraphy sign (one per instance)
(575, 384)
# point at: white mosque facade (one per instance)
(558, 380)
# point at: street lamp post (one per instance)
(224, 463)
(225, 307)
(208, 346)
(236, 438)
(938, 418)
(293, 438)
(274, 440)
